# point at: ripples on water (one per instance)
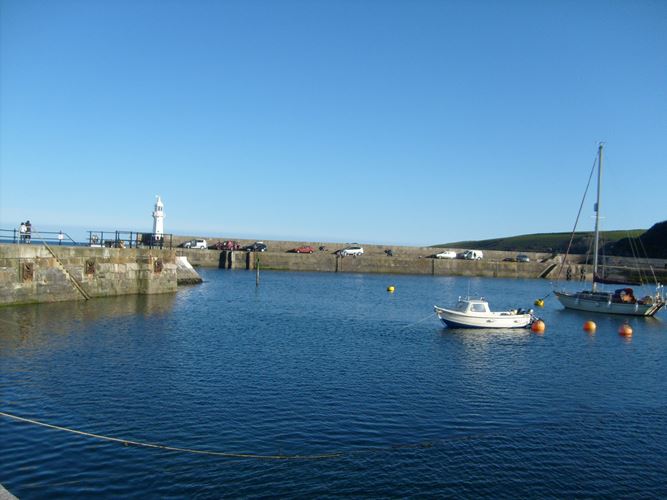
(319, 363)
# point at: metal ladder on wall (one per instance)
(76, 284)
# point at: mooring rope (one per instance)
(429, 316)
(506, 430)
(128, 442)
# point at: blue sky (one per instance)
(405, 122)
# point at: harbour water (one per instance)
(328, 385)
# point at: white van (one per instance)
(473, 255)
(195, 244)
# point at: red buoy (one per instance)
(538, 326)
(590, 326)
(625, 330)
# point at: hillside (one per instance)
(556, 242)
(652, 243)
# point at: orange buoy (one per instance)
(538, 326)
(590, 326)
(625, 330)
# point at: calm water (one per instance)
(312, 364)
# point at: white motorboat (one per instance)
(622, 300)
(475, 313)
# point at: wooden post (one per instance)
(257, 270)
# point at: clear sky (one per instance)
(378, 121)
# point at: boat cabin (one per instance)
(472, 306)
(625, 295)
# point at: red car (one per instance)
(226, 245)
(306, 249)
(231, 245)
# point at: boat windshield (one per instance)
(478, 307)
(462, 305)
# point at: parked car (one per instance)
(447, 254)
(195, 244)
(304, 249)
(258, 246)
(353, 251)
(473, 255)
(509, 259)
(225, 245)
(522, 258)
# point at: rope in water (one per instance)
(595, 420)
(129, 442)
(429, 316)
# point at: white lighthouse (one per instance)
(158, 219)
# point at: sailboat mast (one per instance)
(596, 246)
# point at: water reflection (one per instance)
(34, 325)
(481, 337)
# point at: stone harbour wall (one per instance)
(418, 260)
(406, 260)
(34, 273)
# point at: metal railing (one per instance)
(52, 237)
(108, 239)
(129, 239)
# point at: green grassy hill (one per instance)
(652, 243)
(546, 242)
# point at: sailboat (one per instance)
(620, 301)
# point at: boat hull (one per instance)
(454, 319)
(590, 304)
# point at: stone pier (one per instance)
(37, 273)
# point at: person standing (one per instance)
(60, 238)
(28, 230)
(22, 230)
